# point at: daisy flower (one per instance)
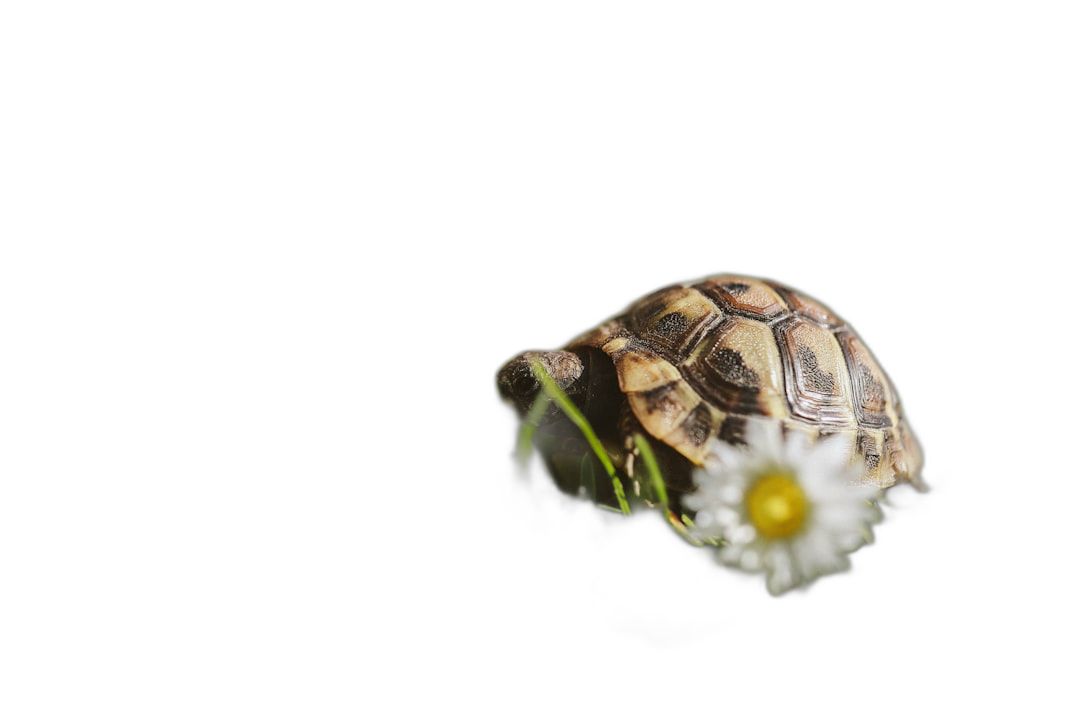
(789, 507)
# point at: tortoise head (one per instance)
(518, 384)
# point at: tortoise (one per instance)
(699, 360)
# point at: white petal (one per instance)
(833, 451)
(796, 447)
(764, 438)
(743, 534)
(728, 516)
(730, 554)
(750, 560)
(781, 576)
(730, 495)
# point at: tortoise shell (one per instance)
(698, 360)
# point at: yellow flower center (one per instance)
(777, 505)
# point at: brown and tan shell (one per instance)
(698, 360)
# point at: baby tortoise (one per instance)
(698, 360)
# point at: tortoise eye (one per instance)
(524, 385)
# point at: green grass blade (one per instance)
(587, 477)
(564, 403)
(653, 468)
(529, 425)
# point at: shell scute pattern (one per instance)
(674, 319)
(698, 360)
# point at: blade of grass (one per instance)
(564, 403)
(587, 477)
(529, 425)
(653, 468)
